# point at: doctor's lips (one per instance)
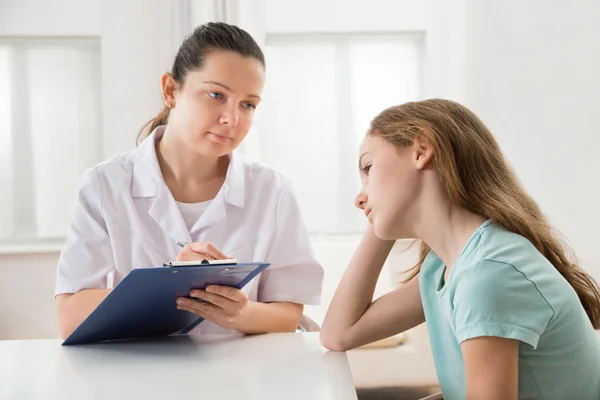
(219, 137)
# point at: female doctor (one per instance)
(183, 183)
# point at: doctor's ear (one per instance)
(169, 87)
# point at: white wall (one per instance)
(532, 74)
(137, 48)
(26, 290)
(49, 18)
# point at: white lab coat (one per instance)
(125, 217)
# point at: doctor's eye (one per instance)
(249, 106)
(216, 95)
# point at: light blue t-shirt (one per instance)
(502, 286)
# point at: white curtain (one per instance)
(6, 146)
(49, 131)
(321, 93)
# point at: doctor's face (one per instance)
(215, 106)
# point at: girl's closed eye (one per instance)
(365, 169)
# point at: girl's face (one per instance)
(214, 108)
(391, 185)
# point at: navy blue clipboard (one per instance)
(143, 304)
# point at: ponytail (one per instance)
(161, 119)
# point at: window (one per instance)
(320, 95)
(49, 132)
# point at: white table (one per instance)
(275, 366)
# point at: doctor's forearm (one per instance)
(73, 309)
(272, 317)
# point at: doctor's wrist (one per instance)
(244, 322)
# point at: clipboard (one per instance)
(144, 305)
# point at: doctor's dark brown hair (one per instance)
(477, 177)
(213, 36)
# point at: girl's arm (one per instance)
(353, 318)
(491, 367)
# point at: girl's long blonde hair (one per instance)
(477, 177)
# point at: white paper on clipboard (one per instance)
(230, 261)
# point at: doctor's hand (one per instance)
(225, 306)
(201, 251)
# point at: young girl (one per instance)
(185, 184)
(509, 315)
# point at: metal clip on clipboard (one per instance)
(230, 261)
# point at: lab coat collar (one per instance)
(147, 177)
(148, 182)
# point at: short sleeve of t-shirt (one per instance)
(497, 299)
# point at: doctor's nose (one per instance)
(361, 200)
(229, 117)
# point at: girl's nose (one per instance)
(360, 200)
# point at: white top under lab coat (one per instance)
(125, 217)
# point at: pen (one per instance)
(181, 244)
